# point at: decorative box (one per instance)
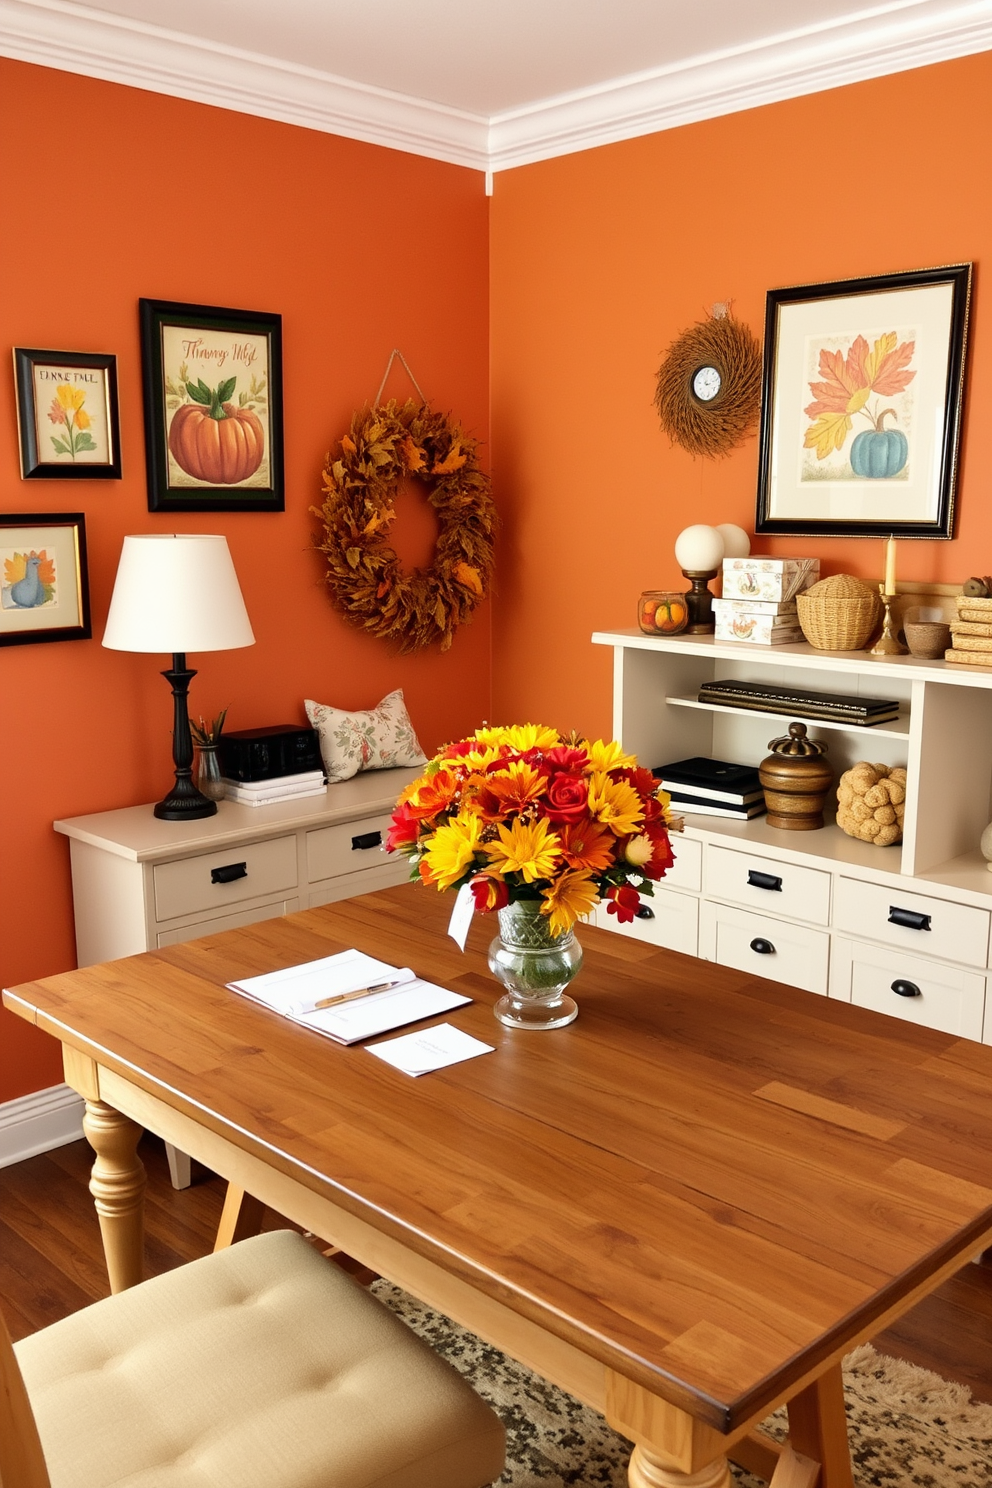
(762, 622)
(768, 579)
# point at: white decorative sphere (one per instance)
(699, 549)
(736, 543)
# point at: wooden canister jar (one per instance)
(795, 778)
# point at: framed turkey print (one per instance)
(44, 595)
(863, 384)
(213, 408)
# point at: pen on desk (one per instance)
(326, 1002)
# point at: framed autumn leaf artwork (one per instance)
(44, 594)
(862, 394)
(213, 407)
(68, 425)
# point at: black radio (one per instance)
(265, 753)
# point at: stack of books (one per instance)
(711, 787)
(281, 788)
(971, 633)
(798, 702)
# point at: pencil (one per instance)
(326, 1002)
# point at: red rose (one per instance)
(566, 799)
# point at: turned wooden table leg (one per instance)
(117, 1184)
(648, 1470)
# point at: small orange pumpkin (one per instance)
(214, 441)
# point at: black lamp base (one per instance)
(184, 802)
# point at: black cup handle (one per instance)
(763, 947)
(229, 872)
(763, 880)
(910, 919)
(906, 989)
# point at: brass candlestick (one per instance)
(887, 644)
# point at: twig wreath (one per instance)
(713, 427)
(367, 584)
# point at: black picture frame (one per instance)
(77, 435)
(195, 356)
(56, 596)
(841, 360)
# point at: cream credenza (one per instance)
(139, 883)
(904, 929)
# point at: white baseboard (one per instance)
(39, 1122)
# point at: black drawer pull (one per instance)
(366, 839)
(763, 880)
(910, 919)
(644, 912)
(763, 947)
(229, 873)
(906, 989)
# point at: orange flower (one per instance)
(587, 845)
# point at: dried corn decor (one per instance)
(711, 428)
(387, 442)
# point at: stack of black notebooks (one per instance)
(798, 702)
(711, 787)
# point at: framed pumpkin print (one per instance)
(213, 407)
(68, 424)
(863, 383)
(44, 594)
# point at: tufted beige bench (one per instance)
(262, 1366)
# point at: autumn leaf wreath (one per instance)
(366, 582)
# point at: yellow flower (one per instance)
(69, 396)
(82, 419)
(524, 736)
(616, 804)
(567, 899)
(492, 737)
(451, 849)
(609, 756)
(528, 848)
(480, 758)
(512, 789)
(638, 850)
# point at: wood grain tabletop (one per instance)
(707, 1182)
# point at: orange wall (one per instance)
(600, 259)
(111, 194)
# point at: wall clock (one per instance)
(708, 394)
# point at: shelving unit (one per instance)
(943, 736)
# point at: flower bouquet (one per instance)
(525, 817)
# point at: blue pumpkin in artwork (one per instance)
(880, 453)
(29, 592)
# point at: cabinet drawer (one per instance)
(767, 947)
(221, 878)
(914, 922)
(942, 997)
(214, 926)
(673, 922)
(347, 848)
(767, 885)
(687, 870)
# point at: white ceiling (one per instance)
(491, 83)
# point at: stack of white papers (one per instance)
(294, 992)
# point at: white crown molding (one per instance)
(887, 38)
(75, 38)
(38, 1123)
(876, 42)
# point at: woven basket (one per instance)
(839, 613)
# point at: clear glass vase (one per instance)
(208, 781)
(535, 967)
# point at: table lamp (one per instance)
(699, 553)
(178, 592)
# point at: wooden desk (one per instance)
(684, 1208)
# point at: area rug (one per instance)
(908, 1428)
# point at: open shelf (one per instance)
(896, 728)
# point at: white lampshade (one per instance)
(177, 592)
(699, 549)
(736, 543)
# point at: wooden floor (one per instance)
(51, 1261)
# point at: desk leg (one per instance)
(818, 1428)
(117, 1184)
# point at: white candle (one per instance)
(890, 566)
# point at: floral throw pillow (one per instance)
(377, 739)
